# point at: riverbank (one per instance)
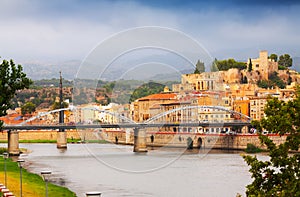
(33, 184)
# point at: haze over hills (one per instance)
(142, 66)
(38, 71)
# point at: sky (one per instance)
(63, 30)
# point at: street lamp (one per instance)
(93, 194)
(46, 177)
(20, 163)
(5, 156)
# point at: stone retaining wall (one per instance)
(221, 141)
(52, 135)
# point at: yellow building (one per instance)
(257, 107)
(242, 106)
(142, 106)
(198, 82)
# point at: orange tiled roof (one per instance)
(160, 96)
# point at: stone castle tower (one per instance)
(264, 65)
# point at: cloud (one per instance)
(48, 31)
(64, 30)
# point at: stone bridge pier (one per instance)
(140, 144)
(13, 142)
(61, 142)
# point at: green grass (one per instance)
(97, 141)
(33, 184)
(2, 150)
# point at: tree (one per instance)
(56, 105)
(200, 68)
(273, 57)
(228, 64)
(285, 60)
(274, 80)
(196, 71)
(214, 66)
(280, 176)
(12, 79)
(146, 89)
(250, 65)
(28, 108)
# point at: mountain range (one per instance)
(69, 69)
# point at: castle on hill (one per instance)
(262, 68)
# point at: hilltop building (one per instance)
(263, 65)
(233, 89)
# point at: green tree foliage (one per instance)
(273, 81)
(200, 68)
(228, 64)
(12, 79)
(281, 67)
(196, 71)
(285, 60)
(146, 89)
(280, 176)
(28, 108)
(274, 57)
(264, 84)
(214, 66)
(250, 65)
(56, 105)
(109, 87)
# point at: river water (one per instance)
(115, 170)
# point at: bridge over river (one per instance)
(139, 129)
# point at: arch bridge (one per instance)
(186, 116)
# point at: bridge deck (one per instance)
(123, 125)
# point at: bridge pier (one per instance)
(139, 145)
(61, 142)
(13, 142)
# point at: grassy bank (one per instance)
(33, 185)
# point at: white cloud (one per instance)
(66, 30)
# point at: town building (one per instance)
(142, 106)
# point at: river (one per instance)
(115, 170)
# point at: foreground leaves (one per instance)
(280, 176)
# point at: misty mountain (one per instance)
(142, 65)
(37, 71)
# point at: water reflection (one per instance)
(193, 173)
